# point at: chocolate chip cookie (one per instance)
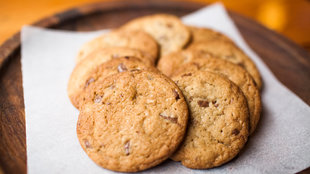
(229, 51)
(218, 126)
(237, 75)
(135, 39)
(167, 30)
(87, 72)
(206, 34)
(171, 62)
(100, 56)
(132, 120)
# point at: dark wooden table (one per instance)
(289, 62)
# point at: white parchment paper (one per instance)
(281, 143)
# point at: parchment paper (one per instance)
(281, 143)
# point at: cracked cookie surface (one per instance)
(136, 39)
(89, 71)
(218, 121)
(230, 52)
(206, 34)
(168, 64)
(167, 30)
(237, 75)
(132, 120)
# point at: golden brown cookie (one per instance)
(218, 126)
(234, 73)
(87, 72)
(105, 54)
(230, 52)
(206, 34)
(167, 30)
(135, 39)
(132, 121)
(171, 62)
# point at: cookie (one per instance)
(100, 56)
(234, 73)
(218, 122)
(135, 39)
(229, 51)
(88, 71)
(171, 62)
(206, 34)
(133, 121)
(167, 30)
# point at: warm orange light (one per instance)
(273, 14)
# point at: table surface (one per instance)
(290, 18)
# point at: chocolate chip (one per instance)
(121, 67)
(221, 142)
(241, 64)
(127, 146)
(186, 74)
(172, 119)
(87, 144)
(176, 95)
(214, 102)
(126, 57)
(98, 99)
(89, 81)
(203, 103)
(235, 132)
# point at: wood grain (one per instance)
(290, 63)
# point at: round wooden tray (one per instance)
(289, 62)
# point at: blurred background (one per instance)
(291, 18)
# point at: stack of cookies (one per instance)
(155, 89)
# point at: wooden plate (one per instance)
(289, 62)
